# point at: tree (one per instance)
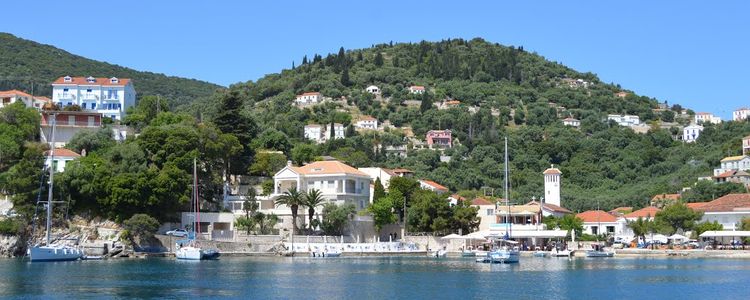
(91, 140)
(313, 199)
(272, 139)
(378, 59)
(231, 120)
(345, 77)
(641, 227)
(678, 216)
(267, 163)
(706, 226)
(571, 223)
(382, 212)
(302, 153)
(464, 217)
(141, 226)
(428, 212)
(551, 222)
(336, 218)
(379, 190)
(145, 111)
(293, 199)
(250, 205)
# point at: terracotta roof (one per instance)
(646, 212)
(570, 119)
(42, 98)
(481, 201)
(552, 170)
(732, 173)
(666, 196)
(416, 87)
(367, 118)
(730, 202)
(97, 81)
(733, 158)
(433, 184)
(328, 167)
(695, 205)
(313, 125)
(595, 216)
(552, 207)
(62, 152)
(13, 93)
(402, 170)
(747, 137)
(622, 209)
(309, 94)
(451, 102)
(457, 197)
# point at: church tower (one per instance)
(552, 185)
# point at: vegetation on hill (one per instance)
(23, 62)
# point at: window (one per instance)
(93, 105)
(70, 103)
(490, 211)
(71, 120)
(83, 105)
(88, 90)
(594, 230)
(610, 229)
(65, 90)
(91, 121)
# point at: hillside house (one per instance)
(572, 122)
(111, 97)
(736, 176)
(439, 139)
(309, 98)
(691, 133)
(13, 96)
(373, 90)
(741, 114)
(447, 104)
(68, 124)
(62, 157)
(338, 182)
(416, 89)
(338, 131)
(314, 132)
(432, 186)
(728, 210)
(621, 94)
(662, 200)
(624, 120)
(746, 145)
(704, 117)
(731, 163)
(367, 123)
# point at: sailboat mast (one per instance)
(507, 200)
(51, 177)
(196, 218)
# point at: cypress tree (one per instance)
(345, 77)
(379, 59)
(379, 190)
(304, 60)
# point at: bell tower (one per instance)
(552, 185)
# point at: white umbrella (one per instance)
(452, 236)
(477, 236)
(677, 237)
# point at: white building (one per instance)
(338, 131)
(598, 222)
(67, 125)
(691, 133)
(376, 173)
(704, 117)
(308, 98)
(338, 182)
(552, 178)
(486, 213)
(728, 210)
(373, 90)
(13, 96)
(432, 186)
(571, 122)
(741, 114)
(109, 96)
(314, 132)
(367, 122)
(62, 157)
(416, 89)
(625, 120)
(745, 145)
(733, 163)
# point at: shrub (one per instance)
(9, 227)
(141, 225)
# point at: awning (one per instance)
(452, 236)
(538, 234)
(714, 233)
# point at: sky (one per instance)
(694, 53)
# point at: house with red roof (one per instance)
(486, 212)
(439, 139)
(648, 213)
(727, 210)
(367, 122)
(308, 98)
(661, 200)
(432, 186)
(599, 222)
(736, 176)
(59, 157)
(416, 89)
(13, 96)
(110, 97)
(741, 114)
(67, 124)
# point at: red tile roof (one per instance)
(457, 197)
(666, 196)
(328, 168)
(695, 205)
(13, 93)
(62, 152)
(97, 81)
(309, 94)
(727, 203)
(481, 201)
(552, 207)
(622, 209)
(732, 173)
(646, 212)
(417, 87)
(552, 170)
(367, 118)
(594, 216)
(401, 170)
(434, 185)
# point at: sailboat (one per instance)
(50, 251)
(188, 249)
(598, 249)
(508, 251)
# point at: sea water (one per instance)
(379, 278)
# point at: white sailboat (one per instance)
(188, 249)
(507, 250)
(50, 251)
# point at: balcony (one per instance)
(89, 97)
(65, 96)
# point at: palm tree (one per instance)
(293, 199)
(312, 200)
(640, 227)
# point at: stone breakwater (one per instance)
(10, 246)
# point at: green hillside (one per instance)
(23, 62)
(503, 91)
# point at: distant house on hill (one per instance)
(314, 132)
(736, 176)
(572, 122)
(13, 96)
(625, 120)
(730, 163)
(367, 122)
(449, 104)
(432, 186)
(662, 200)
(439, 139)
(691, 133)
(704, 117)
(741, 114)
(109, 96)
(416, 89)
(62, 157)
(621, 94)
(373, 90)
(745, 145)
(308, 98)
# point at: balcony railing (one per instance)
(90, 97)
(74, 124)
(66, 96)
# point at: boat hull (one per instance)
(54, 253)
(189, 253)
(599, 254)
(505, 257)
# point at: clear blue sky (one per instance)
(690, 52)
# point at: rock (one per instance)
(10, 246)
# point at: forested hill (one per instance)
(503, 91)
(23, 61)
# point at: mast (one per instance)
(51, 177)
(196, 218)
(508, 230)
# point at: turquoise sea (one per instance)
(378, 278)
